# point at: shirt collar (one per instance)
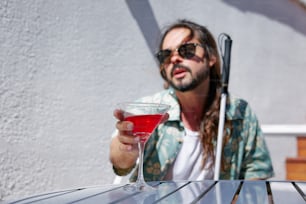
(234, 108)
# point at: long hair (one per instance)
(210, 121)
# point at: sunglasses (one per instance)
(186, 51)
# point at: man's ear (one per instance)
(212, 61)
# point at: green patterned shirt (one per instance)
(246, 154)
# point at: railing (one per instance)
(288, 130)
(295, 166)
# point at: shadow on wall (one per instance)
(288, 12)
(144, 16)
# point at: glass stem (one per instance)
(140, 179)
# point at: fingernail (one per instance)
(130, 126)
(136, 139)
(129, 147)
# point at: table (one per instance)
(208, 191)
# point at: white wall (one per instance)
(65, 64)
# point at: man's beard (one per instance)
(196, 80)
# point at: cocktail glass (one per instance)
(145, 117)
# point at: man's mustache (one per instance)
(179, 66)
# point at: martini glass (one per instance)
(145, 117)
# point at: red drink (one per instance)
(145, 117)
(144, 125)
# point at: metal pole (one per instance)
(224, 92)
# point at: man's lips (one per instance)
(179, 72)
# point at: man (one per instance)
(184, 146)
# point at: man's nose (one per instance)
(175, 57)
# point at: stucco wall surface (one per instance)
(64, 64)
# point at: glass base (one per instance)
(135, 187)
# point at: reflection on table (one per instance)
(208, 191)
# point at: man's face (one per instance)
(185, 74)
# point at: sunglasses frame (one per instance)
(188, 55)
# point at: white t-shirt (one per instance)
(188, 164)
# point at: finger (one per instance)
(124, 126)
(128, 147)
(128, 139)
(118, 114)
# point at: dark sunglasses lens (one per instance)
(187, 50)
(163, 56)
